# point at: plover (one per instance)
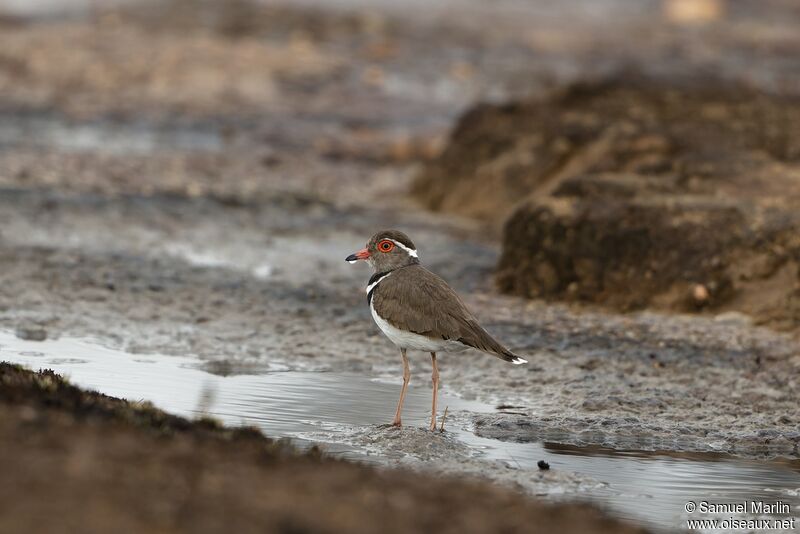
(417, 310)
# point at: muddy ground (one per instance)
(83, 462)
(161, 203)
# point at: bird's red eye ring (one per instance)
(385, 246)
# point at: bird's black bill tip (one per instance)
(362, 254)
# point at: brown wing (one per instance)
(416, 300)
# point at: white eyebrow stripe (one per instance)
(376, 282)
(411, 251)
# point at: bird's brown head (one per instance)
(386, 251)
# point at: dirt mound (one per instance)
(637, 193)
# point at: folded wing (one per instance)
(417, 300)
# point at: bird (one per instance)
(417, 310)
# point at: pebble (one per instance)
(700, 294)
(31, 333)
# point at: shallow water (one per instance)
(48, 132)
(650, 488)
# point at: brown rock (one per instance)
(630, 191)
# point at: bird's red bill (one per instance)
(362, 254)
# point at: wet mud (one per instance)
(343, 415)
(201, 290)
(90, 463)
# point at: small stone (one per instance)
(31, 333)
(693, 11)
(700, 294)
(544, 466)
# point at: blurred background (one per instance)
(657, 138)
(183, 178)
(241, 98)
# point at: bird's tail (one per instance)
(480, 339)
(510, 357)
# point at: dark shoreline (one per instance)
(77, 460)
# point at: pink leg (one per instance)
(435, 379)
(406, 378)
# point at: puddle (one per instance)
(200, 257)
(649, 488)
(45, 8)
(103, 136)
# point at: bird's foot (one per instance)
(433, 425)
(396, 423)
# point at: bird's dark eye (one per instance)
(385, 246)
